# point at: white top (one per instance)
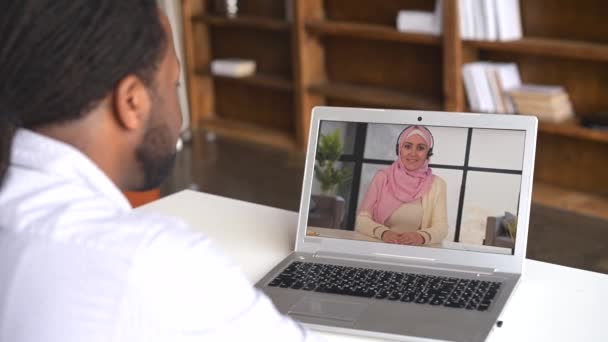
(552, 303)
(407, 218)
(77, 264)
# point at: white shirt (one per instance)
(77, 264)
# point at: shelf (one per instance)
(376, 96)
(372, 32)
(569, 200)
(250, 132)
(244, 21)
(547, 47)
(574, 130)
(262, 80)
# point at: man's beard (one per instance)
(156, 155)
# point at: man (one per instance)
(88, 107)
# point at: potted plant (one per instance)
(329, 150)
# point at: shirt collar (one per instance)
(38, 152)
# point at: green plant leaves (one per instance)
(329, 150)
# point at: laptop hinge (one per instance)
(399, 260)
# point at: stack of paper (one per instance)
(490, 19)
(233, 67)
(548, 103)
(487, 85)
(420, 21)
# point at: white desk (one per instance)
(552, 303)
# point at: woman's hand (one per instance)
(390, 236)
(410, 238)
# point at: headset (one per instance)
(429, 153)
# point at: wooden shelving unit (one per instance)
(574, 130)
(348, 52)
(244, 21)
(258, 108)
(259, 79)
(377, 96)
(546, 47)
(372, 32)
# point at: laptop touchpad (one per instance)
(328, 308)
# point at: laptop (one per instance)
(451, 284)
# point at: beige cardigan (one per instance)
(434, 227)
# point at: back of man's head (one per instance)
(59, 58)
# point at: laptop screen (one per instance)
(428, 186)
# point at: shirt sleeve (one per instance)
(187, 290)
(366, 225)
(438, 229)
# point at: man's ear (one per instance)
(131, 103)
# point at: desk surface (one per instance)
(552, 303)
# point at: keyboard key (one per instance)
(395, 295)
(309, 286)
(297, 285)
(437, 301)
(454, 305)
(483, 307)
(381, 294)
(422, 300)
(408, 298)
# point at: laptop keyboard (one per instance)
(385, 285)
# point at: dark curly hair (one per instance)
(59, 58)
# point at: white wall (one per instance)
(488, 194)
(450, 143)
(502, 149)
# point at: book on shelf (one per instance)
(548, 103)
(421, 21)
(490, 20)
(465, 31)
(487, 85)
(508, 18)
(233, 67)
(478, 20)
(497, 88)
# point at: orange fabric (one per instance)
(140, 198)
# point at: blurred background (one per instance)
(254, 69)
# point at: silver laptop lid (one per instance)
(471, 205)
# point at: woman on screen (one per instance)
(405, 202)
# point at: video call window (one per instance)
(378, 182)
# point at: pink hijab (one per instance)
(395, 185)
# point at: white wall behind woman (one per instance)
(173, 10)
(449, 147)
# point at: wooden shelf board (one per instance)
(565, 199)
(373, 32)
(574, 130)
(250, 132)
(244, 21)
(375, 96)
(259, 79)
(547, 47)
